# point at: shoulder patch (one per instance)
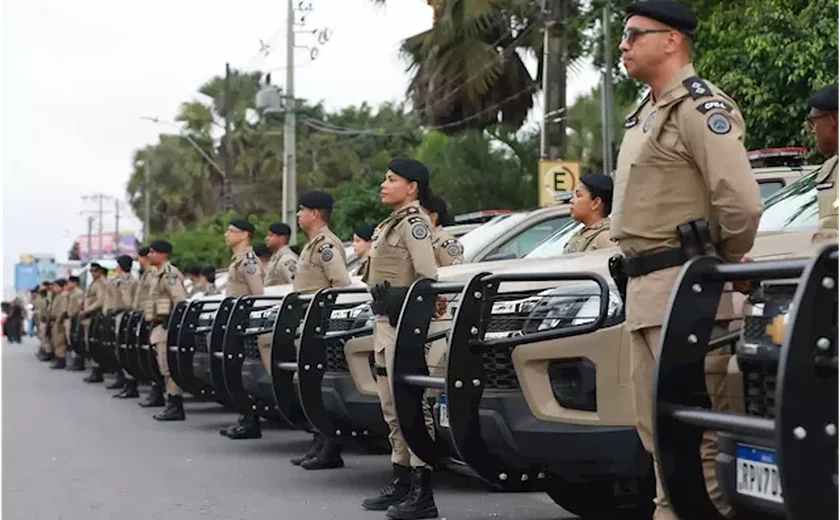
(327, 255)
(411, 210)
(719, 124)
(173, 278)
(697, 88)
(714, 105)
(649, 122)
(291, 265)
(452, 247)
(420, 231)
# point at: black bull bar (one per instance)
(463, 382)
(804, 432)
(320, 333)
(185, 337)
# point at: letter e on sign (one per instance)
(557, 177)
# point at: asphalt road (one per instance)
(71, 452)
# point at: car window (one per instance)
(525, 242)
(478, 238)
(793, 208)
(768, 188)
(553, 245)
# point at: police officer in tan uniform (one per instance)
(322, 264)
(282, 265)
(448, 249)
(96, 298)
(402, 253)
(362, 242)
(166, 291)
(75, 300)
(822, 122)
(193, 274)
(58, 309)
(591, 206)
(124, 290)
(245, 278)
(207, 281)
(682, 162)
(138, 304)
(41, 306)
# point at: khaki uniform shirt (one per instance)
(682, 158)
(590, 238)
(245, 275)
(322, 264)
(402, 249)
(167, 290)
(448, 249)
(281, 267)
(826, 180)
(41, 308)
(58, 307)
(144, 288)
(75, 300)
(211, 290)
(96, 296)
(125, 288)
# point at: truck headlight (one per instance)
(573, 305)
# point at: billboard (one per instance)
(27, 276)
(106, 244)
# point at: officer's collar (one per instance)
(407, 208)
(242, 253)
(675, 88)
(601, 223)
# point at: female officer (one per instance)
(401, 253)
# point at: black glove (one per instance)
(394, 304)
(380, 292)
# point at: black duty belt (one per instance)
(381, 371)
(645, 264)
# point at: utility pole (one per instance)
(101, 211)
(90, 238)
(553, 138)
(607, 108)
(100, 198)
(147, 175)
(117, 225)
(228, 149)
(289, 141)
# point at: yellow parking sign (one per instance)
(556, 178)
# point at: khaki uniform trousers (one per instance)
(384, 344)
(58, 339)
(264, 344)
(45, 336)
(158, 341)
(644, 349)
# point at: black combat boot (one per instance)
(129, 391)
(174, 410)
(420, 502)
(58, 363)
(95, 375)
(249, 428)
(328, 457)
(41, 354)
(78, 364)
(229, 429)
(393, 494)
(314, 448)
(48, 356)
(119, 382)
(155, 397)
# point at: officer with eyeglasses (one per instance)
(682, 170)
(822, 121)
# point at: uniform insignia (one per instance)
(697, 88)
(453, 248)
(719, 124)
(291, 265)
(411, 210)
(173, 278)
(420, 231)
(251, 268)
(714, 105)
(631, 122)
(649, 122)
(825, 185)
(326, 252)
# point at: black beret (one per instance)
(143, 251)
(316, 200)
(279, 228)
(364, 231)
(124, 261)
(74, 279)
(669, 12)
(209, 272)
(194, 271)
(599, 186)
(61, 282)
(410, 170)
(243, 224)
(261, 250)
(95, 266)
(161, 246)
(437, 205)
(825, 99)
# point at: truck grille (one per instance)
(499, 372)
(201, 342)
(755, 328)
(250, 348)
(760, 392)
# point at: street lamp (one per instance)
(190, 140)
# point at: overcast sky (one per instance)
(78, 75)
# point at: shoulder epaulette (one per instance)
(697, 88)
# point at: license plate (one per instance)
(443, 412)
(757, 474)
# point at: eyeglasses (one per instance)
(812, 120)
(632, 34)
